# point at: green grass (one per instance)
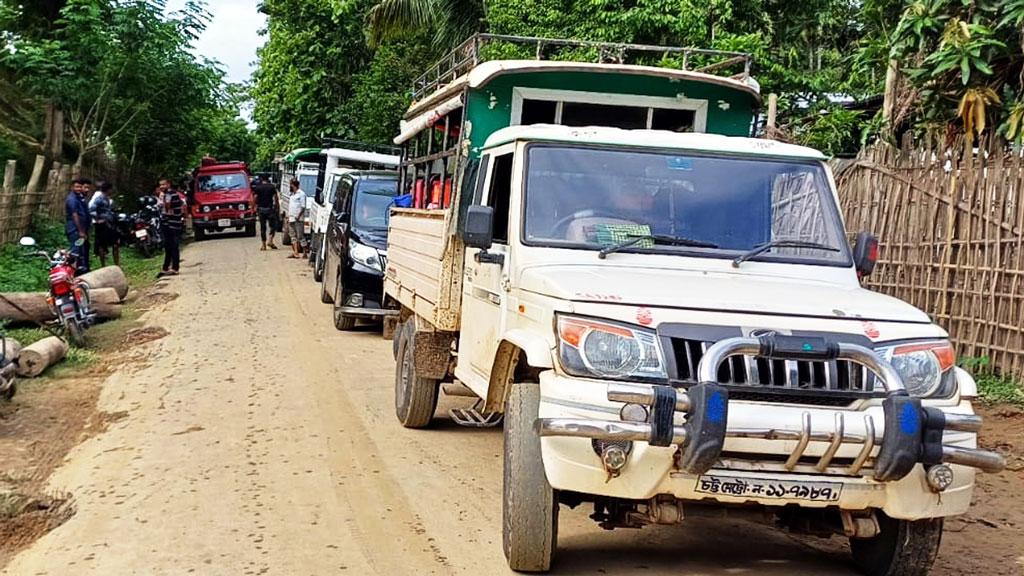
(993, 388)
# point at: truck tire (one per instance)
(902, 547)
(529, 506)
(311, 250)
(326, 294)
(318, 264)
(250, 229)
(415, 397)
(199, 233)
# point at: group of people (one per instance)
(85, 211)
(268, 208)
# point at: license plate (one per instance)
(769, 488)
(141, 234)
(224, 223)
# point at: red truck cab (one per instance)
(222, 198)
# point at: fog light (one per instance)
(355, 300)
(939, 477)
(614, 458)
(633, 413)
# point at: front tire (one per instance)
(342, 321)
(199, 233)
(76, 332)
(250, 230)
(902, 547)
(415, 397)
(529, 505)
(146, 248)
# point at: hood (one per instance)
(373, 238)
(718, 292)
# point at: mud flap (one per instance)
(706, 422)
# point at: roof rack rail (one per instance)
(468, 54)
(328, 142)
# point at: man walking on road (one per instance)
(268, 209)
(296, 210)
(172, 223)
(77, 222)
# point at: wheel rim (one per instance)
(403, 378)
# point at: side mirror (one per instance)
(479, 229)
(27, 241)
(865, 253)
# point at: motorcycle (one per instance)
(69, 296)
(146, 226)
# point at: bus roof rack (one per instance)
(473, 51)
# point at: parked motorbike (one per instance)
(146, 223)
(69, 296)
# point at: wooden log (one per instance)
(107, 277)
(32, 306)
(37, 357)
(10, 348)
(9, 176)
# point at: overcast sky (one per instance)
(231, 36)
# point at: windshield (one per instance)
(222, 182)
(593, 198)
(373, 202)
(307, 183)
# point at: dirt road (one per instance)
(259, 440)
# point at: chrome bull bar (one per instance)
(911, 434)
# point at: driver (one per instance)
(621, 206)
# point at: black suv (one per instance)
(356, 247)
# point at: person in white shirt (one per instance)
(296, 211)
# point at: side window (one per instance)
(344, 193)
(499, 194)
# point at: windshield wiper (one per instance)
(635, 239)
(779, 244)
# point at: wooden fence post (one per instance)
(37, 173)
(9, 176)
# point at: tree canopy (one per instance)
(345, 67)
(114, 79)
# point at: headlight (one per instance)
(608, 350)
(206, 208)
(364, 255)
(241, 206)
(926, 368)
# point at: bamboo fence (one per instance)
(949, 221)
(18, 205)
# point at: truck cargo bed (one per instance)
(424, 270)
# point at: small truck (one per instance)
(668, 325)
(221, 198)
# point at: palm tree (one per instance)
(450, 21)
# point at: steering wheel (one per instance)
(559, 228)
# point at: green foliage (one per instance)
(122, 74)
(992, 388)
(833, 130)
(20, 272)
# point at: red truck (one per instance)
(222, 198)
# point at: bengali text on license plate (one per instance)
(224, 223)
(141, 233)
(769, 488)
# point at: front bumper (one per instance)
(772, 454)
(212, 222)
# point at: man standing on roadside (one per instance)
(77, 222)
(268, 209)
(101, 208)
(296, 210)
(172, 223)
